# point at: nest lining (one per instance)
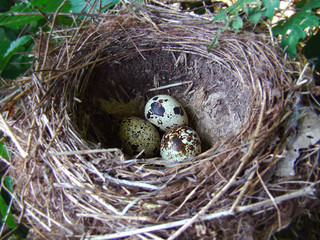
(215, 111)
(71, 187)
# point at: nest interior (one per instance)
(216, 101)
(235, 97)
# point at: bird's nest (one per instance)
(71, 178)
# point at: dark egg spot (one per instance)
(149, 114)
(157, 109)
(177, 144)
(178, 110)
(155, 98)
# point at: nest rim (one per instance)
(72, 171)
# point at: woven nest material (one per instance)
(71, 179)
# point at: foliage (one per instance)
(295, 28)
(16, 31)
(15, 19)
(19, 23)
(291, 30)
(5, 212)
(79, 6)
(312, 50)
(8, 225)
(253, 9)
(13, 47)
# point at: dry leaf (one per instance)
(308, 134)
(134, 107)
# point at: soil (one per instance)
(216, 102)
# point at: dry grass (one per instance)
(69, 187)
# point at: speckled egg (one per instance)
(165, 112)
(180, 143)
(137, 134)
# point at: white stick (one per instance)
(169, 86)
(6, 129)
(82, 152)
(132, 183)
(308, 191)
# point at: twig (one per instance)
(55, 133)
(14, 96)
(136, 47)
(103, 217)
(81, 152)
(169, 86)
(53, 13)
(300, 80)
(165, 5)
(50, 33)
(43, 14)
(308, 191)
(188, 197)
(6, 129)
(132, 203)
(132, 183)
(243, 190)
(271, 197)
(153, 236)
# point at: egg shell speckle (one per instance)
(137, 134)
(165, 112)
(180, 143)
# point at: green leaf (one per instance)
(289, 43)
(82, 6)
(311, 4)
(215, 41)
(255, 14)
(5, 199)
(3, 151)
(17, 66)
(270, 6)
(15, 18)
(20, 233)
(10, 222)
(219, 16)
(64, 20)
(8, 183)
(236, 7)
(246, 9)
(236, 23)
(13, 48)
(4, 42)
(9, 19)
(312, 50)
(294, 29)
(16, 44)
(4, 6)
